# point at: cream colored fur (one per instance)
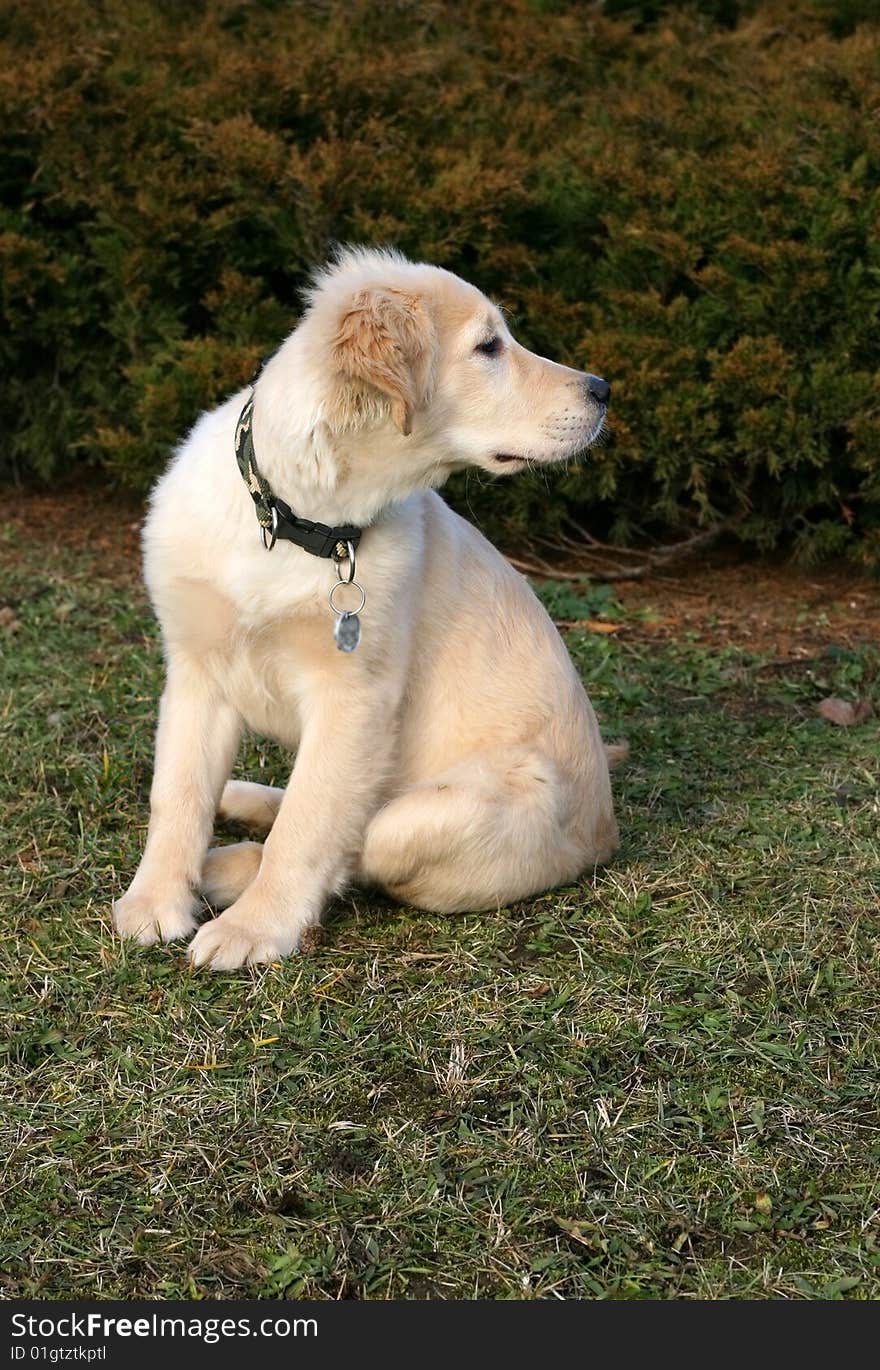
(453, 759)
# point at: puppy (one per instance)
(452, 757)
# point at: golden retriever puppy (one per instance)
(450, 756)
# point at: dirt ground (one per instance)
(719, 598)
(761, 605)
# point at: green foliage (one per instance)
(578, 599)
(683, 198)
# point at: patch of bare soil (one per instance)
(758, 605)
(102, 523)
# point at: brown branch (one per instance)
(655, 561)
(602, 546)
(549, 572)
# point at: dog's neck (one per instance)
(325, 474)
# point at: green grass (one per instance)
(659, 1083)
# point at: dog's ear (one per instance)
(385, 340)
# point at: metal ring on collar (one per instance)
(344, 584)
(349, 557)
(263, 531)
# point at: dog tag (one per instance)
(347, 628)
(347, 632)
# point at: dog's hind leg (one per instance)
(501, 826)
(254, 806)
(227, 872)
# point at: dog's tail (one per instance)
(616, 753)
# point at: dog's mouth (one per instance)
(512, 458)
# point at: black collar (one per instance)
(277, 519)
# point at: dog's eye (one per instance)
(491, 347)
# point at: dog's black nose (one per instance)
(598, 389)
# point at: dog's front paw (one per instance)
(231, 940)
(149, 918)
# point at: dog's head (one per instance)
(413, 373)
